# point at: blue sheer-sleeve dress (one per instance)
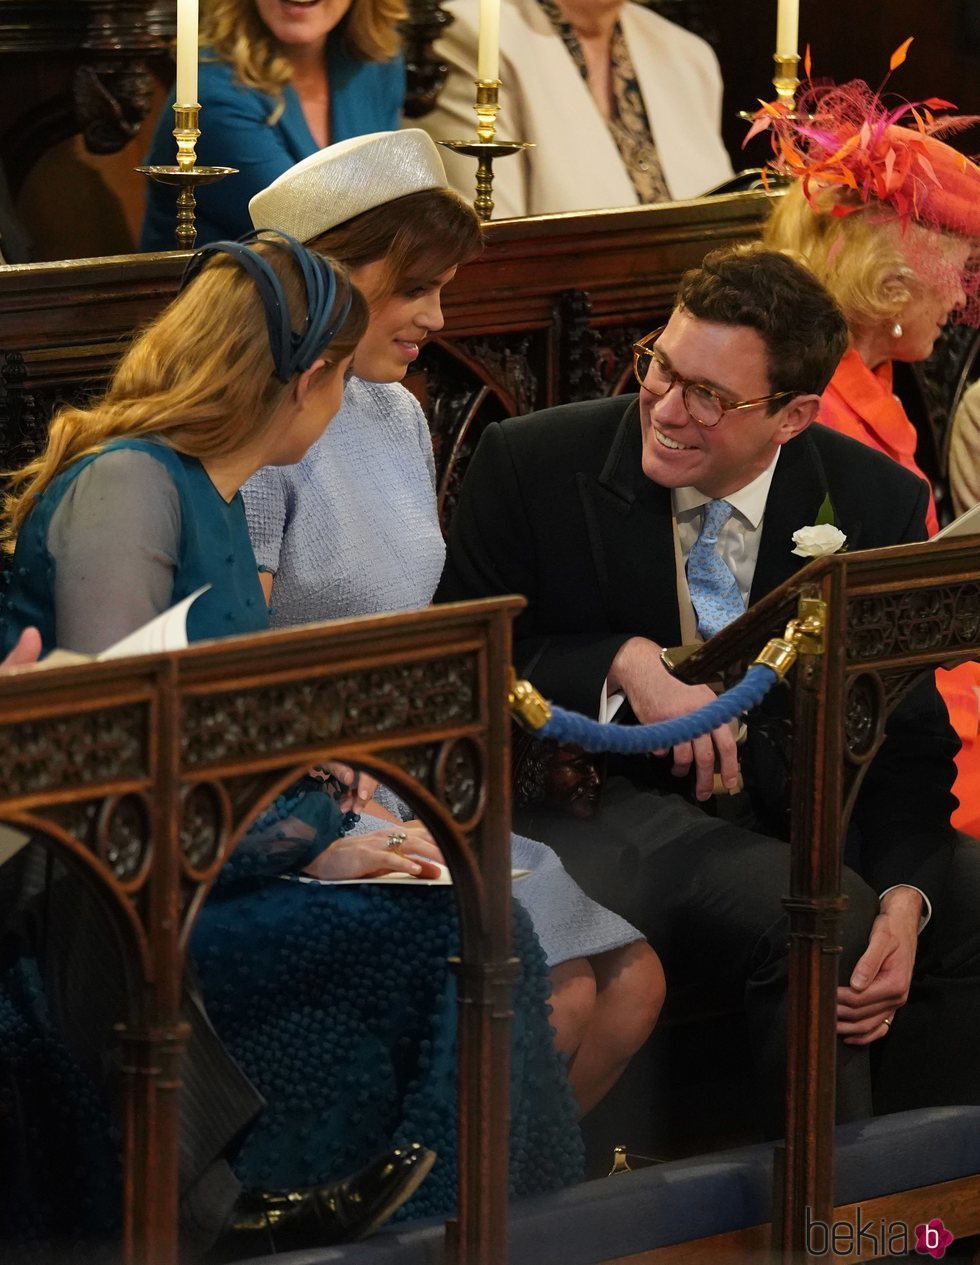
(335, 1002)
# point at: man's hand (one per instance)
(879, 984)
(27, 650)
(656, 695)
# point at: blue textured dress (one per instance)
(336, 1001)
(353, 529)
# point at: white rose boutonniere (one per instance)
(817, 541)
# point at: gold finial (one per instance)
(804, 635)
(530, 707)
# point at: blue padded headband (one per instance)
(293, 351)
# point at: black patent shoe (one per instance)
(338, 1212)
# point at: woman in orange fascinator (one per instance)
(887, 215)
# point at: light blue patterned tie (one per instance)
(714, 590)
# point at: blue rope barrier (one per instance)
(566, 726)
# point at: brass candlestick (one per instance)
(485, 149)
(186, 174)
(786, 80)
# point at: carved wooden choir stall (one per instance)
(144, 774)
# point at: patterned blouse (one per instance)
(628, 124)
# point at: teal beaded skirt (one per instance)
(340, 1008)
(339, 1005)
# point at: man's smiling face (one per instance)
(717, 460)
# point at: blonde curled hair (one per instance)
(201, 377)
(237, 35)
(860, 258)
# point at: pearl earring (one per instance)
(896, 330)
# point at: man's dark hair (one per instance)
(801, 325)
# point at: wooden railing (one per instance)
(144, 773)
(547, 315)
(891, 617)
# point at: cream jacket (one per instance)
(575, 165)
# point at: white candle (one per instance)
(488, 54)
(788, 28)
(186, 52)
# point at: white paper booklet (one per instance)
(11, 841)
(167, 631)
(442, 881)
(967, 524)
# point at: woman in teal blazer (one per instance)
(300, 79)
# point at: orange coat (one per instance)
(860, 403)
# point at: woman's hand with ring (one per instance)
(366, 856)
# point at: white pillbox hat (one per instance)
(342, 180)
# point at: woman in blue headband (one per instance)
(134, 503)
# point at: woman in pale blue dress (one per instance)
(353, 529)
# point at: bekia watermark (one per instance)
(875, 1238)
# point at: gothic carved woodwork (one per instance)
(142, 774)
(930, 392)
(864, 713)
(615, 355)
(883, 625)
(554, 775)
(23, 418)
(123, 835)
(416, 763)
(295, 716)
(111, 102)
(458, 779)
(80, 66)
(48, 753)
(205, 824)
(892, 616)
(504, 362)
(425, 73)
(471, 382)
(578, 364)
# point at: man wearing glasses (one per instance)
(637, 522)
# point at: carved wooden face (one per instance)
(554, 775)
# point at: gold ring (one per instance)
(395, 840)
(888, 1023)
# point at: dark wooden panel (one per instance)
(548, 314)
